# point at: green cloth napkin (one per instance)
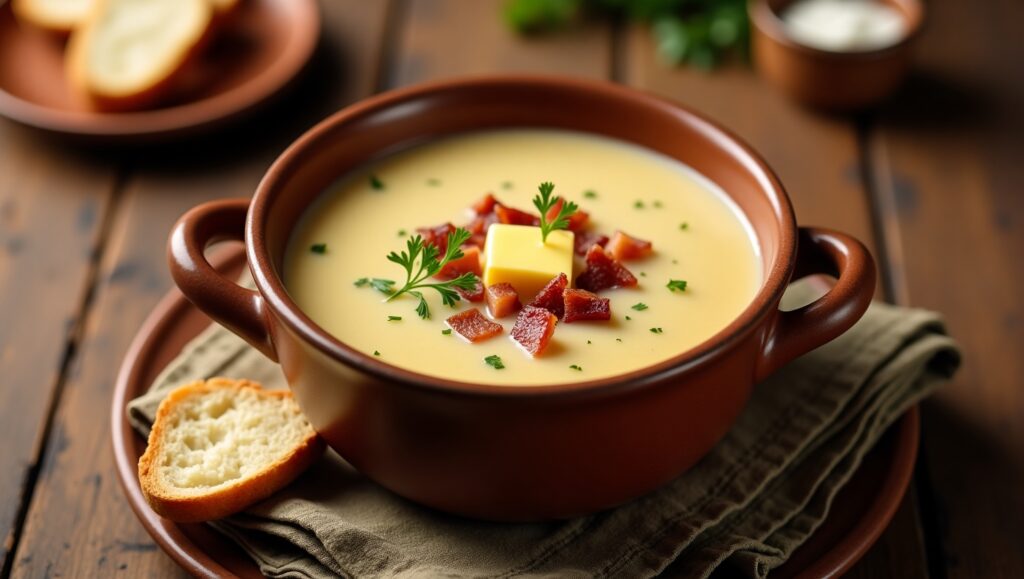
(750, 503)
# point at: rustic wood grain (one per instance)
(948, 157)
(818, 159)
(52, 206)
(79, 523)
(444, 38)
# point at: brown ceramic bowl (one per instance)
(505, 452)
(838, 81)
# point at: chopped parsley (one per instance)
(447, 331)
(394, 318)
(684, 226)
(639, 306)
(643, 274)
(320, 248)
(628, 318)
(675, 262)
(544, 202)
(589, 342)
(657, 204)
(434, 182)
(506, 185)
(676, 285)
(575, 367)
(590, 194)
(384, 286)
(638, 204)
(402, 233)
(376, 353)
(495, 362)
(618, 339)
(376, 183)
(657, 331)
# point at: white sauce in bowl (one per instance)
(844, 25)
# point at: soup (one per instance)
(699, 237)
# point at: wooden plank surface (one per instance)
(819, 161)
(79, 523)
(949, 165)
(53, 204)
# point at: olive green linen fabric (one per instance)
(749, 504)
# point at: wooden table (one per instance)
(934, 183)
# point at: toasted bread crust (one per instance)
(76, 63)
(230, 498)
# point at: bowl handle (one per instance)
(238, 309)
(794, 333)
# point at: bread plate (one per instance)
(267, 45)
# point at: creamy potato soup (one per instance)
(699, 236)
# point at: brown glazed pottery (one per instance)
(266, 44)
(505, 452)
(838, 81)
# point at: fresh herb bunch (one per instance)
(423, 261)
(697, 32)
(544, 202)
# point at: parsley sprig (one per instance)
(423, 261)
(544, 202)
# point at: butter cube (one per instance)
(516, 254)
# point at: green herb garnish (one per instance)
(506, 185)
(494, 362)
(657, 204)
(447, 331)
(676, 285)
(384, 286)
(422, 261)
(544, 202)
(320, 248)
(643, 274)
(402, 233)
(629, 319)
(589, 342)
(394, 318)
(638, 204)
(684, 226)
(657, 331)
(618, 339)
(434, 182)
(376, 183)
(376, 353)
(675, 262)
(639, 306)
(590, 194)
(575, 367)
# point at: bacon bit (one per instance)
(478, 240)
(550, 297)
(480, 224)
(502, 299)
(474, 326)
(468, 263)
(623, 247)
(437, 236)
(604, 272)
(584, 240)
(475, 295)
(584, 305)
(533, 330)
(514, 216)
(577, 221)
(485, 205)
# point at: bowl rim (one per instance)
(766, 20)
(271, 286)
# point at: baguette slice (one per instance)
(60, 16)
(128, 53)
(221, 445)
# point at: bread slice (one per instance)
(221, 445)
(60, 16)
(127, 53)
